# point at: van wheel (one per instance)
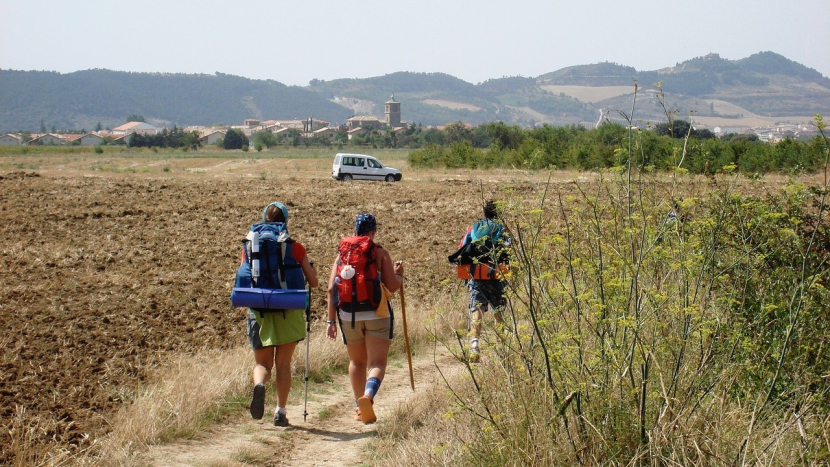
(347, 178)
(390, 178)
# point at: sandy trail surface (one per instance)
(328, 437)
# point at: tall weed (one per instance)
(657, 320)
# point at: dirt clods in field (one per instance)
(102, 278)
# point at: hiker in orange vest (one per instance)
(482, 260)
(362, 280)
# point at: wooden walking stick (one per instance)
(406, 339)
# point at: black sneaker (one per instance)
(258, 402)
(280, 419)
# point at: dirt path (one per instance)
(329, 437)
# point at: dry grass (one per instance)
(196, 390)
(502, 412)
(423, 431)
(452, 105)
(443, 426)
(26, 442)
(187, 395)
(590, 93)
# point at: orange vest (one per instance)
(482, 271)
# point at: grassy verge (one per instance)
(195, 391)
(123, 160)
(277, 152)
(651, 321)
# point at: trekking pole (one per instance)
(406, 339)
(307, 345)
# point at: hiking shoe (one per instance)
(258, 401)
(280, 419)
(357, 416)
(367, 413)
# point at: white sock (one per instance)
(280, 410)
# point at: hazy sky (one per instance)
(295, 41)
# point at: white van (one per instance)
(362, 167)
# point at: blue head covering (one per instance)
(280, 206)
(364, 224)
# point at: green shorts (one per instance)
(275, 328)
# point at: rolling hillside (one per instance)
(763, 88)
(82, 99)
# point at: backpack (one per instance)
(482, 255)
(487, 233)
(269, 278)
(356, 276)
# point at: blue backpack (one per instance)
(269, 278)
(486, 231)
(484, 245)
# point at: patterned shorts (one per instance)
(484, 294)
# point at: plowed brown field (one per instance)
(109, 267)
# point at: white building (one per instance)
(210, 137)
(47, 139)
(10, 140)
(89, 139)
(141, 128)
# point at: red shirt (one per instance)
(297, 250)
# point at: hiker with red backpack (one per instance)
(363, 278)
(483, 261)
(272, 262)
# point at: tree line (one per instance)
(575, 147)
(175, 138)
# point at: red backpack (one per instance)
(358, 289)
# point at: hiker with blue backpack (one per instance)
(363, 279)
(276, 267)
(483, 261)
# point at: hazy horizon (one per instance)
(293, 43)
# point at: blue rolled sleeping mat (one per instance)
(270, 299)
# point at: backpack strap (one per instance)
(281, 266)
(354, 297)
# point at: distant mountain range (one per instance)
(765, 87)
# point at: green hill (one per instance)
(82, 99)
(598, 74)
(765, 84)
(771, 63)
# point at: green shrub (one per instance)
(656, 322)
(428, 157)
